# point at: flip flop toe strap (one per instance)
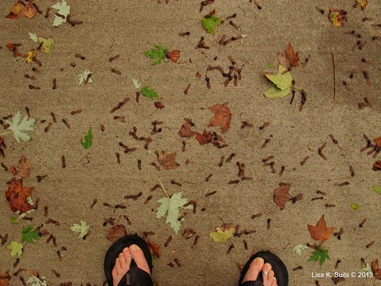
(136, 277)
(258, 282)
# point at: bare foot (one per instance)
(256, 266)
(123, 262)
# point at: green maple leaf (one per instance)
(319, 255)
(82, 228)
(37, 281)
(88, 140)
(157, 54)
(147, 92)
(210, 22)
(28, 234)
(172, 205)
(18, 128)
(377, 189)
(16, 248)
(64, 10)
(281, 83)
(222, 234)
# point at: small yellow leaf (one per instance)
(223, 233)
(45, 45)
(30, 55)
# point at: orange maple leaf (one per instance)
(290, 58)
(222, 116)
(155, 249)
(20, 9)
(320, 231)
(167, 160)
(173, 55)
(17, 196)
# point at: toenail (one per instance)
(259, 259)
(268, 264)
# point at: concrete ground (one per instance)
(328, 57)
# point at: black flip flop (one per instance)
(135, 276)
(277, 266)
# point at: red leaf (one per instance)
(174, 55)
(167, 160)
(377, 166)
(17, 196)
(281, 195)
(116, 232)
(185, 130)
(320, 231)
(159, 105)
(4, 279)
(376, 269)
(378, 141)
(222, 116)
(205, 137)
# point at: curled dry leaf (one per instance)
(337, 17)
(222, 116)
(205, 137)
(167, 160)
(159, 105)
(17, 196)
(173, 55)
(290, 58)
(185, 130)
(23, 167)
(116, 232)
(320, 231)
(376, 269)
(20, 9)
(377, 166)
(281, 195)
(378, 141)
(154, 248)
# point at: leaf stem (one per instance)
(162, 187)
(297, 88)
(235, 245)
(5, 133)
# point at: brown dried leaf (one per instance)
(20, 9)
(222, 116)
(174, 55)
(205, 137)
(376, 269)
(281, 195)
(23, 167)
(290, 58)
(116, 232)
(13, 170)
(17, 196)
(4, 279)
(336, 16)
(377, 166)
(185, 130)
(155, 249)
(320, 231)
(167, 160)
(378, 141)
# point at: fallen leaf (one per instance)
(377, 166)
(88, 140)
(33, 37)
(20, 9)
(23, 167)
(319, 255)
(289, 58)
(376, 269)
(155, 249)
(377, 189)
(148, 92)
(222, 116)
(281, 83)
(337, 17)
(173, 55)
(13, 170)
(320, 231)
(45, 45)
(136, 83)
(159, 105)
(167, 160)
(4, 279)
(281, 195)
(16, 248)
(18, 128)
(223, 233)
(158, 54)
(29, 11)
(17, 196)
(205, 137)
(355, 207)
(29, 235)
(378, 141)
(299, 248)
(185, 130)
(362, 3)
(63, 11)
(29, 56)
(37, 281)
(172, 205)
(82, 229)
(116, 232)
(210, 21)
(85, 77)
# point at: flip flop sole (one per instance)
(117, 247)
(277, 265)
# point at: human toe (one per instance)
(255, 267)
(138, 256)
(268, 275)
